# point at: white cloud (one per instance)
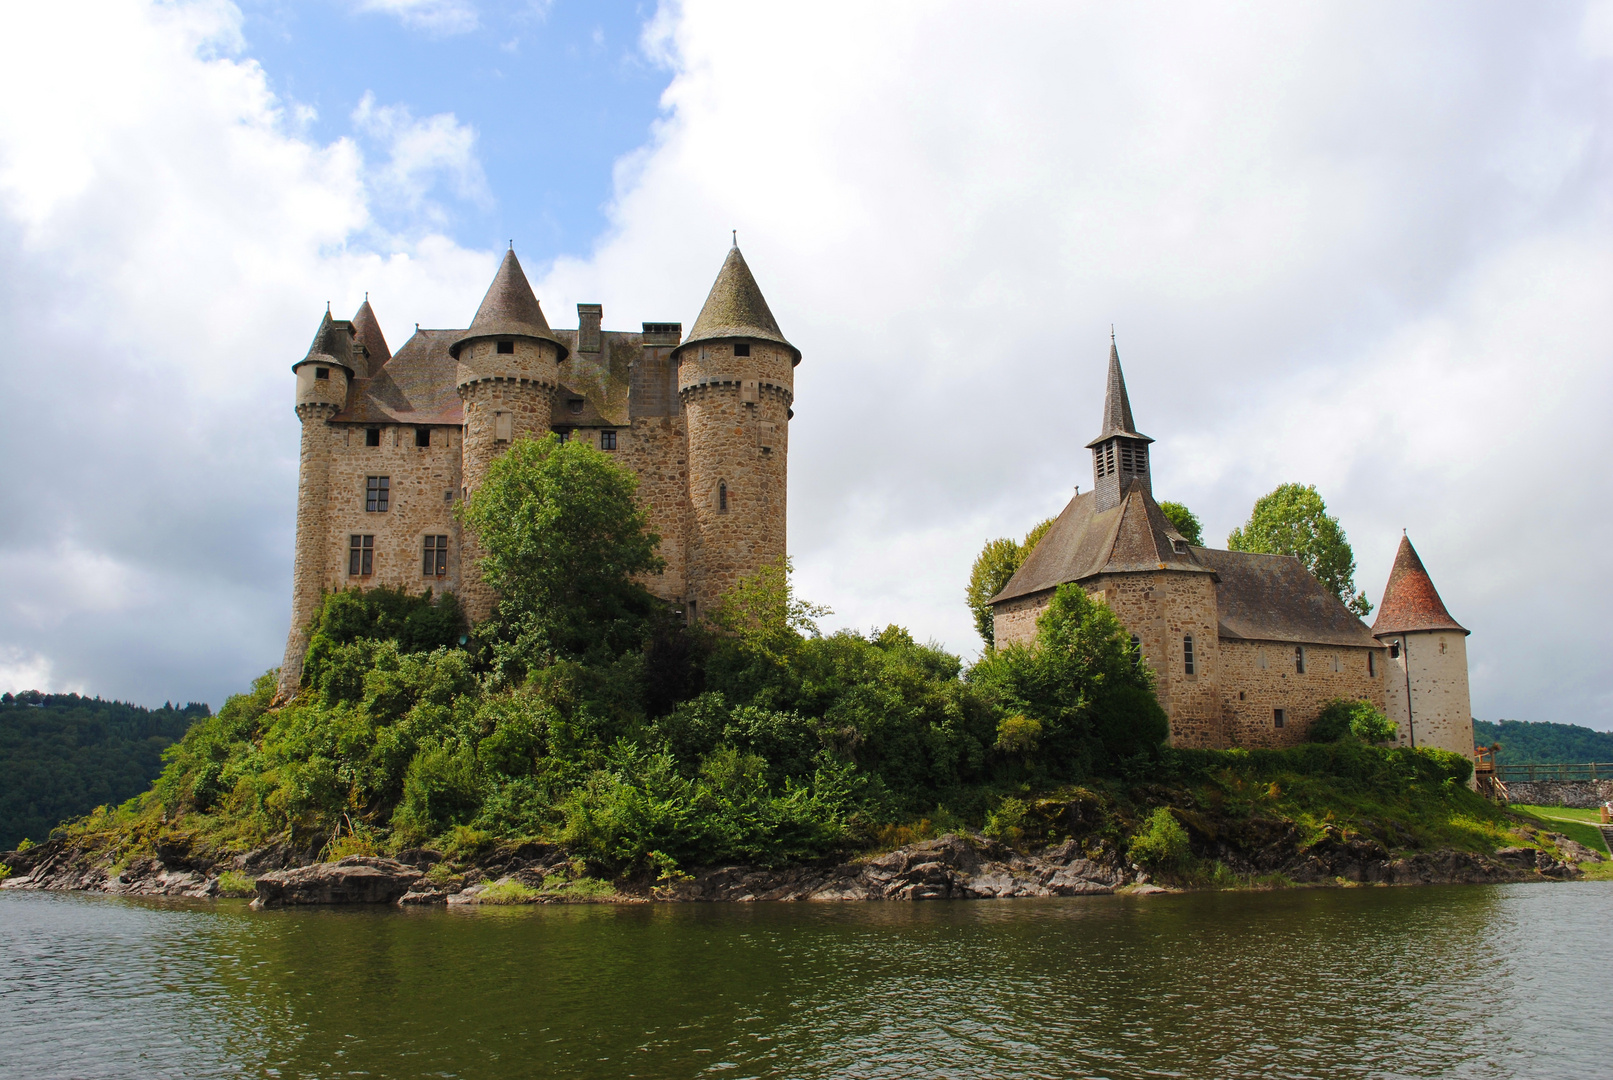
(20, 670)
(433, 16)
(1356, 245)
(168, 237)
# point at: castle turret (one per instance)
(322, 384)
(736, 378)
(1119, 453)
(508, 371)
(1425, 685)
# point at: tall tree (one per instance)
(996, 563)
(564, 540)
(1293, 520)
(1186, 522)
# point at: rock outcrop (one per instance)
(357, 879)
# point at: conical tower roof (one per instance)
(1116, 404)
(1410, 601)
(509, 310)
(735, 308)
(368, 330)
(332, 345)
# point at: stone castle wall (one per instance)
(1441, 710)
(1260, 677)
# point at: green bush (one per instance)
(1161, 843)
(1007, 822)
(1342, 717)
(236, 884)
(508, 891)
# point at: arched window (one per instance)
(722, 496)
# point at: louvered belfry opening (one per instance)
(1120, 452)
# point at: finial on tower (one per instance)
(735, 233)
(327, 307)
(512, 243)
(1111, 333)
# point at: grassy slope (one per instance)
(1578, 825)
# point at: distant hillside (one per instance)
(62, 755)
(1525, 742)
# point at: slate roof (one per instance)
(1274, 598)
(1116, 404)
(509, 310)
(1410, 601)
(735, 308)
(332, 345)
(419, 385)
(368, 332)
(1133, 535)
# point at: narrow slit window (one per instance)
(607, 440)
(1372, 665)
(435, 562)
(722, 497)
(422, 436)
(507, 348)
(1277, 718)
(741, 350)
(377, 494)
(372, 436)
(1299, 659)
(1136, 649)
(1187, 654)
(360, 556)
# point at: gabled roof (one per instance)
(509, 310)
(1410, 601)
(417, 386)
(735, 308)
(1084, 542)
(332, 345)
(1116, 404)
(368, 331)
(1274, 598)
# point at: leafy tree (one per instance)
(417, 623)
(564, 541)
(1186, 522)
(997, 562)
(1342, 717)
(1535, 742)
(764, 614)
(1293, 520)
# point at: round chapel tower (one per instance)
(736, 379)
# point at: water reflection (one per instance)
(1474, 981)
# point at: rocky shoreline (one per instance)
(952, 867)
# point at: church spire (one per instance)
(1120, 452)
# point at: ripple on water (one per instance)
(1457, 981)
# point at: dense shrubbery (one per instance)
(1342, 717)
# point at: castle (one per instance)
(392, 442)
(1246, 648)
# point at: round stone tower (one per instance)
(1425, 681)
(508, 371)
(736, 378)
(322, 381)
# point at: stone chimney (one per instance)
(589, 318)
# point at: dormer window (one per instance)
(322, 373)
(742, 350)
(574, 406)
(506, 348)
(1179, 546)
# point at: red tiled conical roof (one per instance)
(1410, 601)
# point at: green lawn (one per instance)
(1577, 825)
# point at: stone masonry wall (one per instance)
(1259, 677)
(737, 410)
(1013, 622)
(307, 572)
(656, 448)
(1163, 608)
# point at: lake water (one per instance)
(1476, 981)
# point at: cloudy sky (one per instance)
(1365, 246)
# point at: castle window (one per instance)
(372, 436)
(1277, 718)
(574, 405)
(422, 436)
(1240, 695)
(507, 348)
(1136, 650)
(1299, 659)
(322, 373)
(1179, 546)
(722, 497)
(1394, 650)
(1372, 665)
(741, 350)
(1187, 654)
(435, 562)
(607, 440)
(565, 436)
(360, 556)
(1335, 661)
(377, 493)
